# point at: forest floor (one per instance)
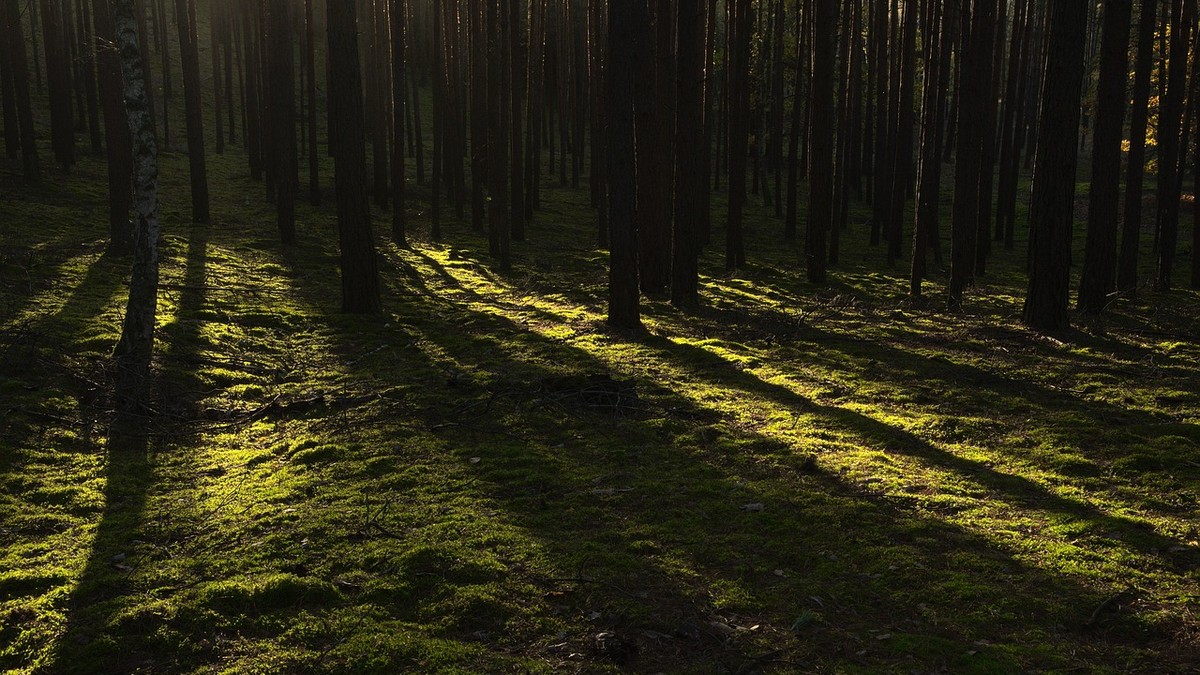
(485, 478)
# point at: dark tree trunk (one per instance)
(378, 122)
(775, 140)
(739, 129)
(252, 133)
(214, 45)
(118, 143)
(498, 132)
(974, 91)
(399, 47)
(987, 153)
(15, 47)
(479, 113)
(793, 161)
(929, 167)
(1167, 219)
(533, 122)
(87, 47)
(598, 22)
(1099, 262)
(310, 72)
(820, 198)
(439, 123)
(902, 136)
(1051, 202)
(283, 118)
(8, 95)
(58, 73)
(623, 311)
(33, 40)
(158, 19)
(360, 276)
(1010, 129)
(185, 17)
(654, 233)
(690, 158)
(841, 182)
(516, 101)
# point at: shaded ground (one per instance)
(487, 479)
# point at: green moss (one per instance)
(403, 493)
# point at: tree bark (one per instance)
(929, 167)
(974, 89)
(623, 310)
(1051, 202)
(310, 72)
(283, 117)
(739, 129)
(360, 277)
(1167, 219)
(118, 142)
(820, 173)
(399, 47)
(58, 73)
(1099, 262)
(136, 346)
(500, 234)
(690, 157)
(8, 95)
(185, 17)
(14, 44)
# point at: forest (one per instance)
(687, 336)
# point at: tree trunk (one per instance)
(87, 47)
(8, 95)
(654, 232)
(1099, 262)
(58, 73)
(283, 118)
(516, 100)
(929, 164)
(214, 46)
(1167, 219)
(820, 198)
(399, 47)
(1011, 125)
(136, 346)
(793, 160)
(623, 311)
(1051, 202)
(987, 152)
(975, 89)
(310, 68)
(252, 133)
(598, 23)
(690, 158)
(479, 113)
(499, 230)
(360, 277)
(118, 142)
(185, 17)
(902, 136)
(739, 129)
(14, 44)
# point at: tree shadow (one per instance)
(545, 480)
(1012, 489)
(120, 550)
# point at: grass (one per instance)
(487, 479)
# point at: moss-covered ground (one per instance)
(485, 478)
